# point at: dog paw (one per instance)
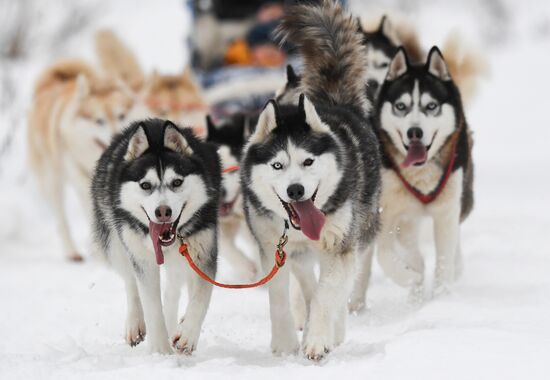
(356, 305)
(317, 346)
(316, 352)
(135, 332)
(185, 340)
(75, 257)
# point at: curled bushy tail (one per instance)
(333, 52)
(117, 60)
(466, 66)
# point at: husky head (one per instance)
(418, 108)
(291, 165)
(229, 137)
(101, 110)
(291, 91)
(381, 47)
(168, 178)
(177, 98)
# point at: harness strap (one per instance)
(428, 198)
(231, 169)
(280, 259)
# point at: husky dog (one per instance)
(74, 114)
(382, 45)
(315, 165)
(465, 64)
(229, 137)
(428, 170)
(155, 181)
(173, 97)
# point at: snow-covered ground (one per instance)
(61, 320)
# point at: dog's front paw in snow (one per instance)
(316, 350)
(186, 338)
(135, 331)
(317, 346)
(356, 304)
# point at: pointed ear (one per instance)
(138, 144)
(174, 140)
(311, 116)
(267, 122)
(387, 29)
(211, 127)
(291, 76)
(359, 25)
(436, 65)
(82, 87)
(398, 65)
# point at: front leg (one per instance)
(446, 234)
(335, 283)
(175, 277)
(359, 295)
(148, 280)
(283, 334)
(188, 331)
(302, 290)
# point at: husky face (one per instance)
(229, 136)
(100, 112)
(418, 107)
(293, 164)
(381, 47)
(161, 182)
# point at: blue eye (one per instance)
(431, 106)
(177, 183)
(145, 185)
(277, 165)
(400, 106)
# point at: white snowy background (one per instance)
(63, 320)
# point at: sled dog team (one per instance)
(350, 155)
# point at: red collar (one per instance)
(429, 198)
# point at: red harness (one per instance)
(429, 198)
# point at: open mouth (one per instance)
(163, 235)
(305, 217)
(227, 207)
(417, 153)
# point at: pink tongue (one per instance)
(155, 231)
(416, 153)
(312, 219)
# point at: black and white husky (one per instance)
(155, 181)
(428, 170)
(316, 165)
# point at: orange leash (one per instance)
(280, 258)
(230, 169)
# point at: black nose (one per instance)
(295, 191)
(163, 213)
(414, 133)
(224, 193)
